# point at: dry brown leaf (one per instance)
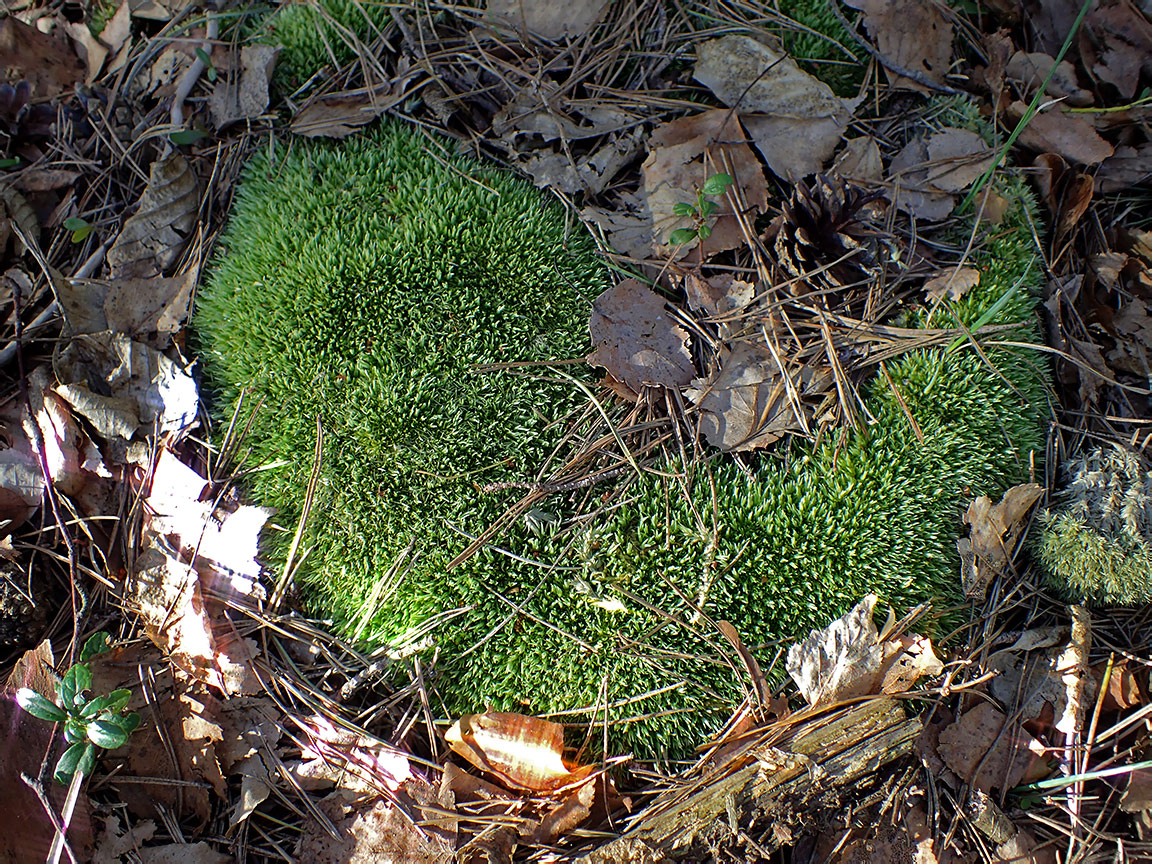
(370, 831)
(1057, 131)
(627, 228)
(953, 283)
(860, 160)
(121, 386)
(958, 157)
(1117, 45)
(996, 530)
(16, 212)
(636, 340)
(682, 156)
(243, 94)
(550, 20)
(965, 745)
(914, 34)
(557, 169)
(523, 752)
(848, 659)
(152, 238)
(544, 110)
(1032, 69)
(794, 118)
(159, 10)
(1138, 793)
(718, 295)
(148, 310)
(47, 63)
(116, 842)
(1067, 193)
(338, 115)
(1125, 689)
(95, 50)
(1041, 675)
(574, 809)
(184, 853)
(911, 192)
(1128, 166)
(1091, 369)
(744, 404)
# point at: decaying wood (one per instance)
(792, 777)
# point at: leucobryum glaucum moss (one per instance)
(1096, 541)
(362, 283)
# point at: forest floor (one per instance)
(680, 138)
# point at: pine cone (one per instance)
(21, 620)
(821, 226)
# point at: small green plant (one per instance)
(204, 58)
(700, 211)
(89, 722)
(80, 228)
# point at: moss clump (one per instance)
(316, 33)
(361, 283)
(1096, 543)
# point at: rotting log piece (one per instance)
(794, 779)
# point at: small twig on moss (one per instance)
(549, 488)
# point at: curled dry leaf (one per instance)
(523, 752)
(636, 340)
(996, 530)
(915, 34)
(1119, 45)
(1067, 193)
(682, 156)
(848, 659)
(154, 235)
(121, 386)
(1032, 68)
(794, 118)
(338, 115)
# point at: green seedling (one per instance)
(699, 212)
(80, 228)
(89, 721)
(204, 58)
(184, 137)
(10, 163)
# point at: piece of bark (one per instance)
(782, 788)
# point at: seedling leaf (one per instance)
(76, 680)
(681, 235)
(717, 184)
(38, 706)
(107, 734)
(81, 757)
(683, 209)
(97, 644)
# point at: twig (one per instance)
(184, 88)
(549, 488)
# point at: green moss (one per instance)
(1096, 543)
(821, 44)
(316, 33)
(359, 284)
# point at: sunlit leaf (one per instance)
(38, 706)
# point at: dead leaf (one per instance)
(197, 561)
(794, 118)
(336, 756)
(550, 20)
(1125, 689)
(744, 404)
(139, 388)
(914, 34)
(1057, 131)
(1116, 45)
(860, 160)
(847, 659)
(523, 752)
(573, 810)
(1032, 69)
(116, 842)
(545, 110)
(556, 169)
(338, 115)
(158, 10)
(1128, 166)
(148, 310)
(1067, 193)
(47, 63)
(682, 155)
(183, 853)
(958, 157)
(1138, 793)
(369, 831)
(97, 49)
(718, 295)
(953, 283)
(243, 95)
(911, 192)
(636, 340)
(153, 237)
(1091, 369)
(627, 228)
(965, 747)
(995, 532)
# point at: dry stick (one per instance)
(184, 89)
